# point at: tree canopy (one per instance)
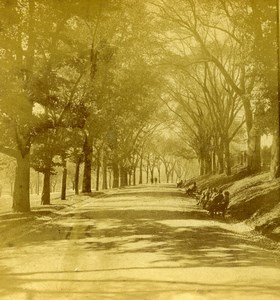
(123, 86)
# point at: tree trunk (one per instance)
(64, 179)
(152, 174)
(129, 178)
(38, 183)
(172, 176)
(201, 166)
(141, 170)
(167, 177)
(97, 173)
(110, 179)
(77, 176)
(134, 176)
(147, 174)
(254, 151)
(123, 176)
(221, 162)
(116, 175)
(159, 175)
(104, 173)
(227, 159)
(21, 198)
(167, 173)
(46, 199)
(214, 164)
(88, 149)
(275, 157)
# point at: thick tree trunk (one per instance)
(64, 179)
(116, 175)
(21, 198)
(254, 140)
(254, 151)
(88, 149)
(77, 176)
(227, 159)
(201, 166)
(104, 173)
(46, 194)
(275, 157)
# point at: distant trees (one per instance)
(209, 113)
(233, 37)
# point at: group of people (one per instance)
(181, 184)
(215, 201)
(190, 188)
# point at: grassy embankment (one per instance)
(254, 199)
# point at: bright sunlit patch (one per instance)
(239, 227)
(266, 140)
(38, 109)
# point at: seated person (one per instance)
(192, 190)
(212, 194)
(216, 200)
(180, 184)
(205, 197)
(201, 198)
(222, 206)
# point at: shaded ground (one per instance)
(137, 243)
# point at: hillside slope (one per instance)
(254, 199)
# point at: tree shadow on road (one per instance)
(174, 240)
(197, 242)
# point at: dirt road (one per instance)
(136, 243)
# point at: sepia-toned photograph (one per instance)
(139, 150)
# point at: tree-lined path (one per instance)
(148, 242)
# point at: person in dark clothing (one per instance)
(156, 180)
(180, 184)
(215, 202)
(223, 205)
(192, 189)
